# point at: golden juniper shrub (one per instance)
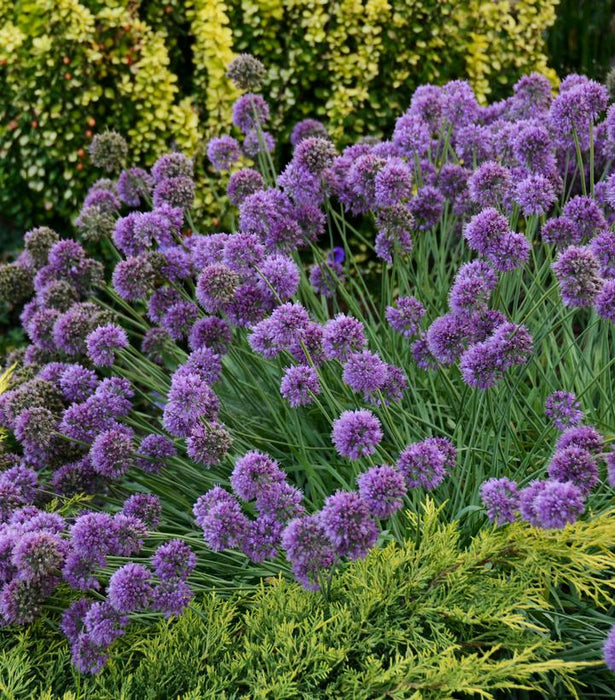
(434, 618)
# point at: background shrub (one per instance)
(155, 72)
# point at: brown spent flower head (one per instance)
(109, 150)
(246, 72)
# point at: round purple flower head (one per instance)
(224, 525)
(145, 507)
(133, 278)
(210, 332)
(215, 287)
(584, 436)
(448, 336)
(130, 589)
(393, 183)
(308, 128)
(343, 335)
(560, 231)
(563, 409)
(38, 555)
(605, 301)
(242, 184)
(576, 465)
(179, 319)
(253, 472)
(280, 501)
(383, 490)
(154, 450)
(299, 384)
(223, 152)
(112, 451)
(315, 154)
(405, 317)
(585, 213)
(288, 323)
(77, 383)
(249, 111)
(278, 277)
(485, 229)
(576, 269)
(364, 372)
(104, 342)
(535, 195)
(349, 525)
(173, 560)
(103, 624)
(326, 277)
(175, 191)
(208, 443)
(472, 287)
(257, 142)
(501, 500)
(426, 207)
(603, 247)
(356, 433)
(309, 550)
(172, 165)
(558, 504)
(133, 185)
(422, 464)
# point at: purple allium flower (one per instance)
(57, 294)
(558, 504)
(325, 278)
(208, 501)
(173, 560)
(133, 278)
(405, 317)
(112, 452)
(72, 328)
(308, 349)
(87, 656)
(207, 250)
(146, 507)
(348, 523)
(108, 150)
(130, 533)
(20, 601)
(535, 195)
(608, 650)
(453, 182)
(35, 426)
(93, 535)
(382, 489)
(10, 498)
(262, 339)
(422, 464)
(587, 215)
(175, 263)
(288, 322)
(77, 383)
(250, 111)
(356, 433)
(79, 570)
(215, 287)
(172, 165)
(179, 318)
(193, 400)
(361, 180)
(576, 269)
(308, 128)
(472, 287)
(38, 555)
(603, 247)
(527, 497)
(154, 344)
(104, 624)
(104, 342)
(576, 465)
(262, 538)
(532, 94)
(256, 142)
(485, 229)
(459, 104)
(299, 384)
(532, 148)
(315, 154)
(280, 501)
(563, 409)
(126, 237)
(448, 336)
(73, 618)
(224, 526)
(426, 207)
(343, 335)
(500, 498)
(249, 305)
(161, 301)
(278, 277)
(364, 372)
(171, 597)
(509, 252)
(116, 393)
(76, 477)
(208, 443)
(242, 184)
(205, 363)
(411, 136)
(393, 183)
(242, 252)
(130, 589)
(389, 245)
(38, 242)
(175, 191)
(605, 301)
(254, 472)
(309, 550)
(560, 231)
(584, 436)
(223, 152)
(134, 185)
(422, 354)
(474, 143)
(25, 480)
(162, 225)
(40, 328)
(246, 71)
(210, 332)
(569, 114)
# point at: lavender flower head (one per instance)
(253, 472)
(349, 525)
(242, 184)
(405, 318)
(299, 385)
(472, 287)
(382, 489)
(535, 195)
(500, 498)
(576, 270)
(576, 465)
(356, 433)
(173, 560)
(104, 342)
(364, 372)
(145, 507)
(208, 443)
(250, 111)
(112, 451)
(130, 588)
(563, 409)
(309, 550)
(422, 464)
(558, 504)
(343, 335)
(223, 152)
(605, 301)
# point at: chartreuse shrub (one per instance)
(155, 72)
(432, 618)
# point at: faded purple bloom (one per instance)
(315, 154)
(299, 384)
(405, 318)
(356, 433)
(576, 269)
(172, 165)
(500, 498)
(603, 247)
(133, 185)
(349, 525)
(309, 550)
(242, 184)
(215, 287)
(208, 443)
(223, 152)
(472, 287)
(155, 343)
(38, 555)
(250, 111)
(563, 409)
(175, 191)
(383, 490)
(130, 588)
(210, 332)
(112, 452)
(179, 319)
